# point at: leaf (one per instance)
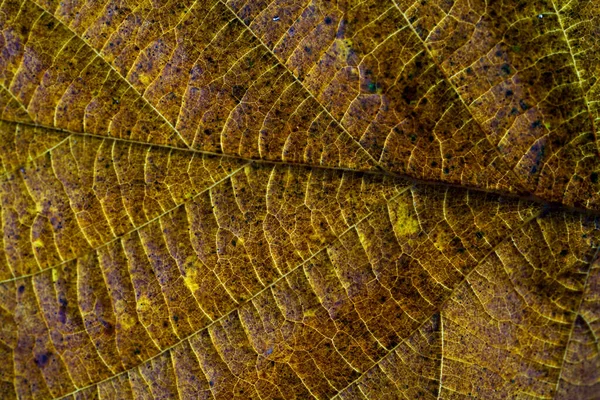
(299, 199)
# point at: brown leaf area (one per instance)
(299, 199)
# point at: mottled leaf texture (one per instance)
(293, 199)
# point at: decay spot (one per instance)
(404, 219)
(190, 279)
(538, 150)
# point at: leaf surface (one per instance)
(298, 199)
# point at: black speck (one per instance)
(21, 289)
(42, 359)
(523, 105)
(594, 177)
(328, 20)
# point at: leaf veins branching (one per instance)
(299, 199)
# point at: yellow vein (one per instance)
(48, 150)
(443, 72)
(564, 32)
(562, 364)
(302, 85)
(218, 320)
(115, 71)
(515, 195)
(439, 396)
(441, 306)
(215, 154)
(21, 106)
(132, 230)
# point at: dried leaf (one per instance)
(296, 199)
